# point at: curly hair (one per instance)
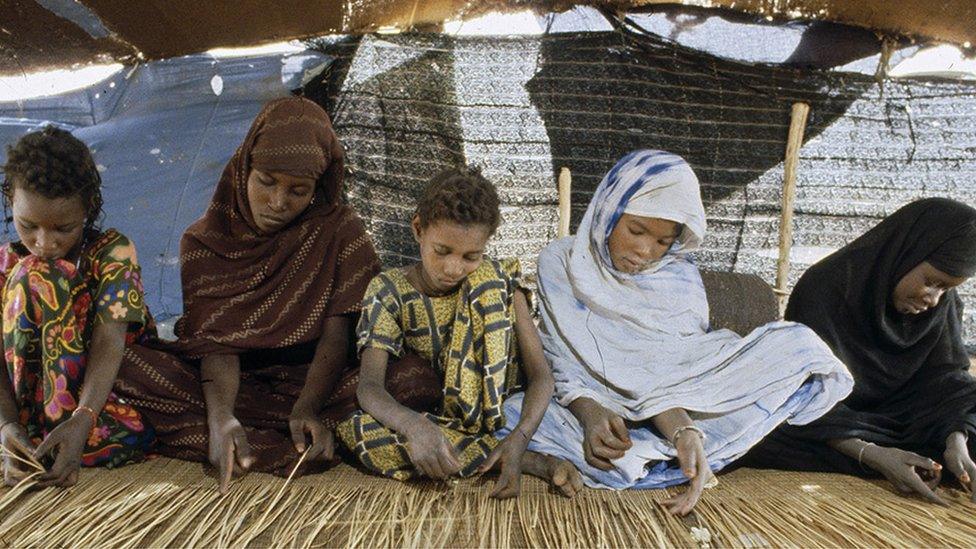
(54, 164)
(461, 195)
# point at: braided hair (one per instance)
(54, 164)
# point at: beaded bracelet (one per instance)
(683, 428)
(90, 412)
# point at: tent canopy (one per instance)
(37, 34)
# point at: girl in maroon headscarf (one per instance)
(273, 275)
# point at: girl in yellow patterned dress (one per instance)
(467, 315)
(72, 300)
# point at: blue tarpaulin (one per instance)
(161, 133)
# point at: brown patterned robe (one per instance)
(265, 298)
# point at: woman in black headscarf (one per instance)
(887, 305)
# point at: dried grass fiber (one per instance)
(168, 503)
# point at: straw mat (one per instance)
(171, 503)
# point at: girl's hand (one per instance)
(229, 450)
(959, 462)
(13, 439)
(907, 471)
(509, 454)
(69, 440)
(605, 435)
(303, 421)
(694, 464)
(429, 450)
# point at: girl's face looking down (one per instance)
(449, 252)
(50, 228)
(637, 242)
(922, 288)
(276, 199)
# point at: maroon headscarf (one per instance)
(246, 290)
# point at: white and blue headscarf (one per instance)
(650, 184)
(639, 343)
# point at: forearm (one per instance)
(959, 438)
(220, 376)
(960, 424)
(8, 405)
(669, 421)
(538, 395)
(376, 400)
(319, 385)
(331, 356)
(539, 381)
(104, 359)
(584, 408)
(850, 447)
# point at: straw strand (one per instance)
(165, 503)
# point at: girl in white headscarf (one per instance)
(646, 396)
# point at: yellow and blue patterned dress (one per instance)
(469, 338)
(50, 308)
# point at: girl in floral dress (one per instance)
(71, 301)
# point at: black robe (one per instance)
(912, 386)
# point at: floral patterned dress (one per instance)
(50, 308)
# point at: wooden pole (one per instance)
(565, 202)
(798, 123)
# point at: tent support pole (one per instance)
(565, 201)
(798, 123)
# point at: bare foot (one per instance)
(560, 473)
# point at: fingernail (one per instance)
(965, 478)
(936, 466)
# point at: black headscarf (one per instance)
(911, 382)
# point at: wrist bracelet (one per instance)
(683, 428)
(860, 453)
(90, 412)
(5, 423)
